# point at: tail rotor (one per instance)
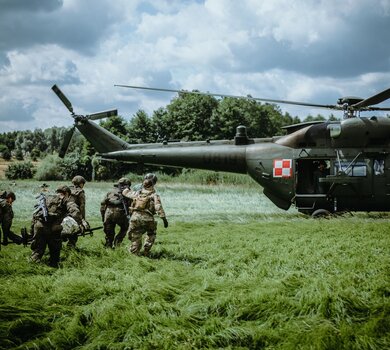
(79, 119)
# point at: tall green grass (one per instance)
(231, 271)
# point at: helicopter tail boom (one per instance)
(101, 139)
(229, 158)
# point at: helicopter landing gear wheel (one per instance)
(321, 213)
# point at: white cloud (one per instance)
(313, 51)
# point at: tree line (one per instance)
(188, 117)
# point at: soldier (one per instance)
(150, 176)
(47, 226)
(78, 197)
(114, 210)
(145, 204)
(6, 217)
(321, 172)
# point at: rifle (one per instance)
(87, 232)
(122, 199)
(41, 205)
(27, 238)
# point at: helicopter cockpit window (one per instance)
(358, 169)
(379, 166)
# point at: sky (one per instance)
(308, 51)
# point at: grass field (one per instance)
(231, 272)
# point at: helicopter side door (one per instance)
(381, 180)
(311, 192)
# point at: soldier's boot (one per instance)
(135, 247)
(54, 263)
(54, 259)
(35, 257)
(72, 242)
(149, 241)
(146, 252)
(147, 248)
(119, 238)
(117, 242)
(15, 238)
(108, 243)
(5, 239)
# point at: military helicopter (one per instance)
(320, 167)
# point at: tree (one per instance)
(39, 140)
(35, 153)
(9, 139)
(141, 129)
(19, 154)
(233, 112)
(162, 125)
(191, 116)
(310, 118)
(116, 125)
(279, 120)
(5, 152)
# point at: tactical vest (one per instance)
(143, 201)
(114, 199)
(56, 209)
(75, 194)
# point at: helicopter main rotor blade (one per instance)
(101, 115)
(63, 98)
(232, 96)
(373, 100)
(65, 144)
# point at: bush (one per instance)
(21, 170)
(56, 168)
(35, 153)
(19, 154)
(50, 169)
(5, 152)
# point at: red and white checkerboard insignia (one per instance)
(282, 168)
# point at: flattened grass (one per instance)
(246, 280)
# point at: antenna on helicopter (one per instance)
(79, 119)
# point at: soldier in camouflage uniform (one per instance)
(145, 204)
(6, 217)
(78, 197)
(48, 232)
(114, 210)
(148, 176)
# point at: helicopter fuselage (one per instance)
(328, 166)
(353, 149)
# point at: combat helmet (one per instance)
(124, 181)
(152, 177)
(78, 180)
(63, 189)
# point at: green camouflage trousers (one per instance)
(137, 228)
(46, 235)
(112, 217)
